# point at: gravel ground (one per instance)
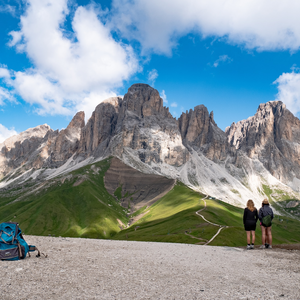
(103, 269)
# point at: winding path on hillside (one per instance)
(218, 225)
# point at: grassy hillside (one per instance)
(282, 200)
(74, 205)
(169, 219)
(78, 205)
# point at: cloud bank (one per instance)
(255, 24)
(71, 70)
(261, 25)
(76, 67)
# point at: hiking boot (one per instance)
(270, 247)
(248, 247)
(251, 246)
(262, 247)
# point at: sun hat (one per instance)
(265, 201)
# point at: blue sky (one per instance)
(59, 57)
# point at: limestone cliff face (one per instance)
(40, 147)
(62, 146)
(199, 130)
(100, 128)
(141, 131)
(138, 122)
(273, 136)
(24, 148)
(143, 101)
(147, 127)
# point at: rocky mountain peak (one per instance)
(144, 101)
(139, 130)
(147, 128)
(273, 136)
(193, 124)
(62, 146)
(271, 105)
(199, 130)
(211, 118)
(37, 132)
(114, 101)
(77, 121)
(271, 122)
(23, 149)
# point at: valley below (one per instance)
(109, 200)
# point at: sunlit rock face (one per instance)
(140, 122)
(66, 143)
(199, 130)
(272, 135)
(100, 128)
(147, 127)
(233, 165)
(40, 147)
(24, 148)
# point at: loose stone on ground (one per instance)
(103, 269)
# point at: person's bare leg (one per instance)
(263, 234)
(269, 235)
(253, 236)
(248, 237)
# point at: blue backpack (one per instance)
(12, 244)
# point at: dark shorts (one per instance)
(250, 226)
(261, 224)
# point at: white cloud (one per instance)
(174, 104)
(152, 75)
(8, 9)
(4, 73)
(222, 58)
(289, 90)
(5, 95)
(5, 133)
(258, 24)
(16, 38)
(70, 71)
(164, 96)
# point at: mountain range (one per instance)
(247, 161)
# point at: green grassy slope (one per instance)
(78, 205)
(85, 210)
(174, 214)
(283, 199)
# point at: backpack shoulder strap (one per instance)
(33, 248)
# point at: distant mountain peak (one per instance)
(140, 131)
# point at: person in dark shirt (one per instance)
(266, 233)
(250, 218)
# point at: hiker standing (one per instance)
(266, 216)
(250, 218)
